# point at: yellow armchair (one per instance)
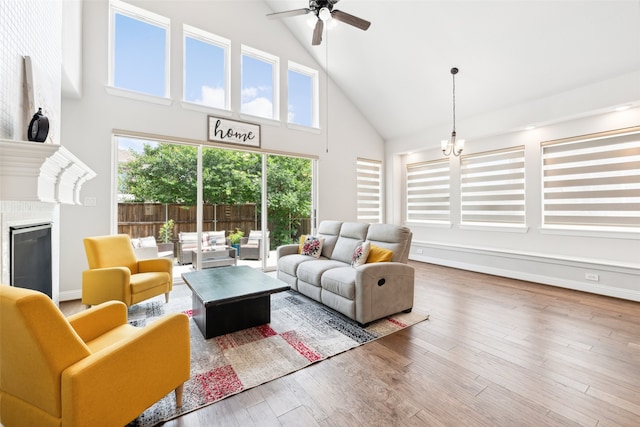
(116, 274)
(91, 369)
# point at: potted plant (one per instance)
(234, 239)
(166, 237)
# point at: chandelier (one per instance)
(453, 145)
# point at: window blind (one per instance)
(428, 192)
(493, 187)
(369, 183)
(593, 181)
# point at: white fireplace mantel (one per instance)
(32, 171)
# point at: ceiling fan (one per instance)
(323, 9)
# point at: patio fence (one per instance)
(146, 219)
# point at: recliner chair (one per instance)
(116, 274)
(90, 369)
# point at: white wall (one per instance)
(559, 259)
(88, 121)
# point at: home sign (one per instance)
(233, 132)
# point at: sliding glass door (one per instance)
(259, 200)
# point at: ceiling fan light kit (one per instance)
(453, 145)
(323, 10)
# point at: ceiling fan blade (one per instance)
(350, 19)
(317, 33)
(288, 13)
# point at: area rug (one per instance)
(301, 332)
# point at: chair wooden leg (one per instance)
(166, 297)
(179, 391)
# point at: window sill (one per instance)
(583, 232)
(302, 128)
(260, 120)
(186, 105)
(125, 93)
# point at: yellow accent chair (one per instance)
(90, 369)
(116, 274)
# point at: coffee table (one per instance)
(228, 299)
(215, 257)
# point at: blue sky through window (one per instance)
(257, 87)
(139, 56)
(204, 81)
(300, 90)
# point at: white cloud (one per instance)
(260, 107)
(212, 96)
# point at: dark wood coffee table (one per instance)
(228, 299)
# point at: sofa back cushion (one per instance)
(330, 231)
(351, 235)
(393, 237)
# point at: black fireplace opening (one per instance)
(30, 257)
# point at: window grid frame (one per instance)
(315, 92)
(223, 43)
(150, 18)
(275, 79)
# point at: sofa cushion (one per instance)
(312, 246)
(144, 242)
(351, 235)
(378, 254)
(289, 264)
(341, 281)
(392, 237)
(330, 231)
(361, 254)
(311, 272)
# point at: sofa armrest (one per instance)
(97, 320)
(155, 264)
(130, 375)
(382, 289)
(105, 284)
(286, 250)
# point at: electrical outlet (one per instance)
(419, 250)
(592, 276)
(90, 201)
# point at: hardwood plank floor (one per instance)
(495, 352)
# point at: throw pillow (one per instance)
(302, 239)
(312, 246)
(360, 254)
(378, 254)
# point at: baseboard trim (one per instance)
(530, 265)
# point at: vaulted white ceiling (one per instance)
(508, 52)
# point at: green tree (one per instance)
(167, 173)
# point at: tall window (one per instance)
(492, 187)
(428, 192)
(139, 50)
(593, 182)
(260, 87)
(206, 68)
(369, 182)
(302, 91)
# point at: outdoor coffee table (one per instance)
(228, 299)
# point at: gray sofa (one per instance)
(365, 293)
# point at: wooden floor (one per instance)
(495, 352)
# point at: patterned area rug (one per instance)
(301, 332)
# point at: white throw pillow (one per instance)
(360, 254)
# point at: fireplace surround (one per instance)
(35, 179)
